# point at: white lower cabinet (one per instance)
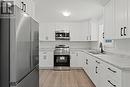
(111, 76)
(46, 59)
(104, 74)
(77, 58)
(92, 68)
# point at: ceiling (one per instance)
(50, 10)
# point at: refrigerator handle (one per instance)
(22, 5)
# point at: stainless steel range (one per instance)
(62, 56)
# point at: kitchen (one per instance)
(82, 43)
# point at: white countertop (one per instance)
(119, 61)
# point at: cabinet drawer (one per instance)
(42, 54)
(113, 76)
(113, 83)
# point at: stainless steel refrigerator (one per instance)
(19, 45)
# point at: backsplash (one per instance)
(120, 47)
(52, 44)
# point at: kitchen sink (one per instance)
(96, 52)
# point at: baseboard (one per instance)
(51, 68)
(45, 68)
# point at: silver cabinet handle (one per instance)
(87, 61)
(90, 37)
(97, 62)
(121, 31)
(111, 70)
(124, 31)
(111, 83)
(22, 5)
(96, 69)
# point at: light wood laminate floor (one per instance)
(72, 78)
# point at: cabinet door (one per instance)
(62, 26)
(128, 31)
(87, 64)
(73, 61)
(76, 32)
(86, 31)
(77, 59)
(28, 6)
(109, 29)
(92, 33)
(79, 32)
(32, 9)
(103, 75)
(81, 58)
(46, 59)
(120, 18)
(97, 72)
(47, 32)
(18, 3)
(91, 68)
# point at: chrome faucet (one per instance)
(101, 47)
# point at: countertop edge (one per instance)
(122, 68)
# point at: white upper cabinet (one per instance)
(121, 11)
(109, 31)
(79, 32)
(62, 26)
(84, 31)
(117, 19)
(93, 31)
(29, 7)
(47, 32)
(128, 31)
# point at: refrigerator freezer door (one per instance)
(19, 45)
(32, 80)
(4, 52)
(34, 43)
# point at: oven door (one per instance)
(61, 60)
